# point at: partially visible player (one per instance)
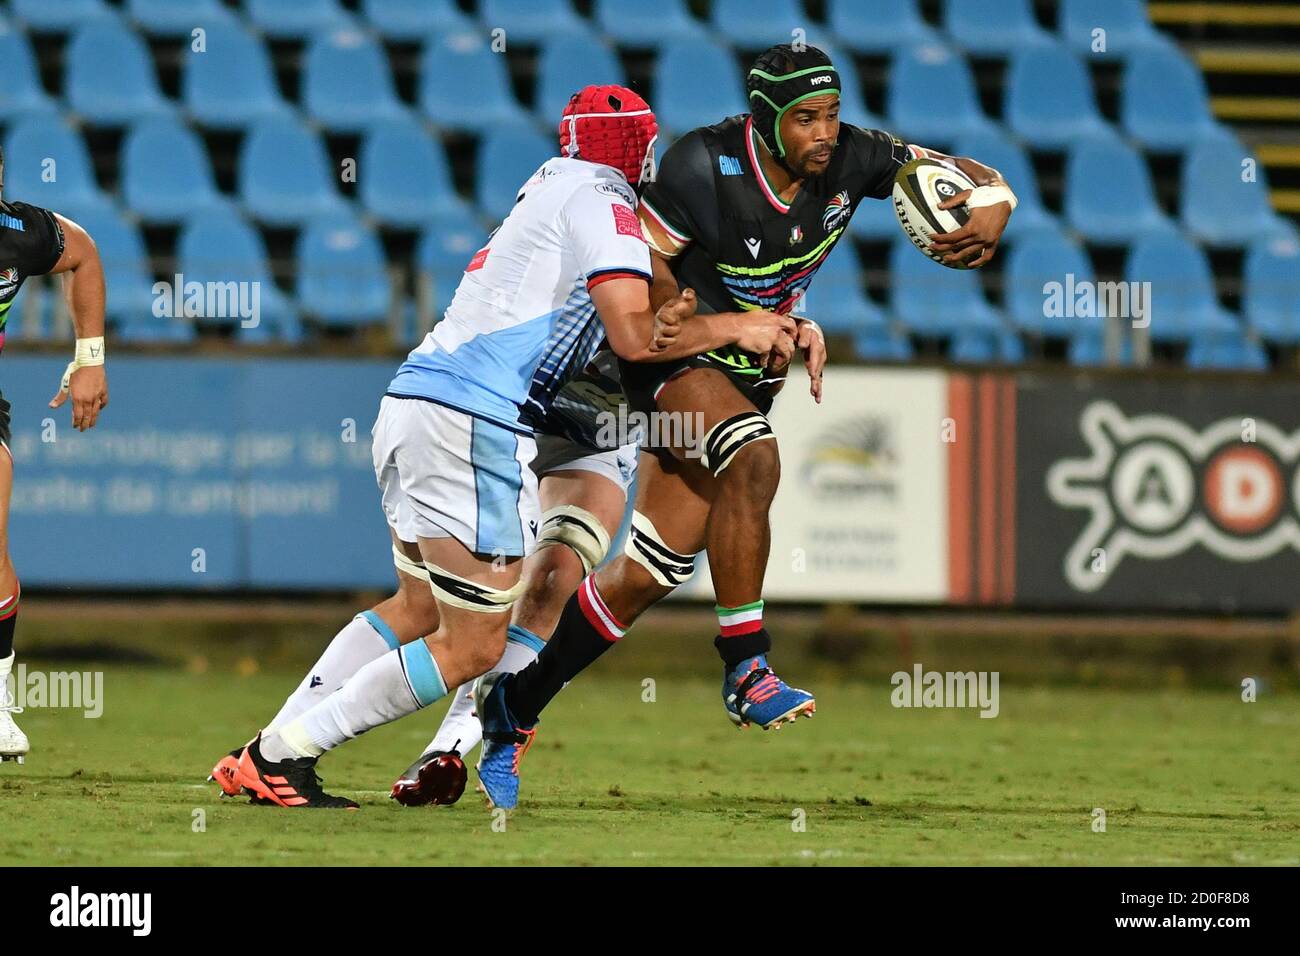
(744, 212)
(36, 241)
(452, 445)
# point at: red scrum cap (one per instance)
(613, 126)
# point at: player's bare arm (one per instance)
(990, 203)
(624, 308)
(668, 323)
(83, 287)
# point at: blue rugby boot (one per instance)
(504, 742)
(753, 694)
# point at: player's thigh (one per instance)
(670, 513)
(591, 491)
(711, 398)
(6, 490)
(694, 401)
(412, 611)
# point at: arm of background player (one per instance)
(624, 307)
(83, 287)
(977, 241)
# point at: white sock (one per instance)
(398, 683)
(362, 639)
(461, 727)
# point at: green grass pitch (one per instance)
(1184, 776)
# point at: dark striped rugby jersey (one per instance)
(749, 249)
(31, 242)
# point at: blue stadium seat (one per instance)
(882, 345)
(464, 85)
(127, 272)
(530, 21)
(168, 18)
(1127, 29)
(442, 254)
(221, 247)
(1164, 105)
(43, 16)
(230, 85)
(506, 158)
(1010, 160)
(1228, 350)
(1034, 262)
(874, 220)
(835, 299)
(757, 24)
(982, 347)
(33, 141)
(342, 273)
(1048, 99)
(1272, 290)
(295, 19)
(639, 25)
(110, 76)
(166, 175)
(697, 83)
(930, 299)
(414, 19)
(22, 92)
(921, 117)
(284, 174)
(403, 176)
(568, 63)
(1087, 349)
(878, 26)
(996, 27)
(1218, 206)
(1183, 301)
(1108, 193)
(346, 82)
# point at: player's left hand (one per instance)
(88, 387)
(813, 343)
(669, 319)
(975, 242)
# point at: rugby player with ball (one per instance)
(741, 216)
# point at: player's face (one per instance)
(810, 132)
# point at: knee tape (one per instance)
(580, 530)
(463, 593)
(646, 548)
(404, 564)
(724, 440)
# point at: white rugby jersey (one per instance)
(573, 226)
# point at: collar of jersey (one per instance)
(751, 143)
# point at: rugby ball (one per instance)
(919, 187)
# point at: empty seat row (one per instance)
(868, 26)
(1050, 289)
(464, 84)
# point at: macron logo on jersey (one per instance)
(625, 221)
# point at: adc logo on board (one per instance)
(1155, 487)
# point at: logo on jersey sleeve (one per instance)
(625, 221)
(837, 211)
(8, 281)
